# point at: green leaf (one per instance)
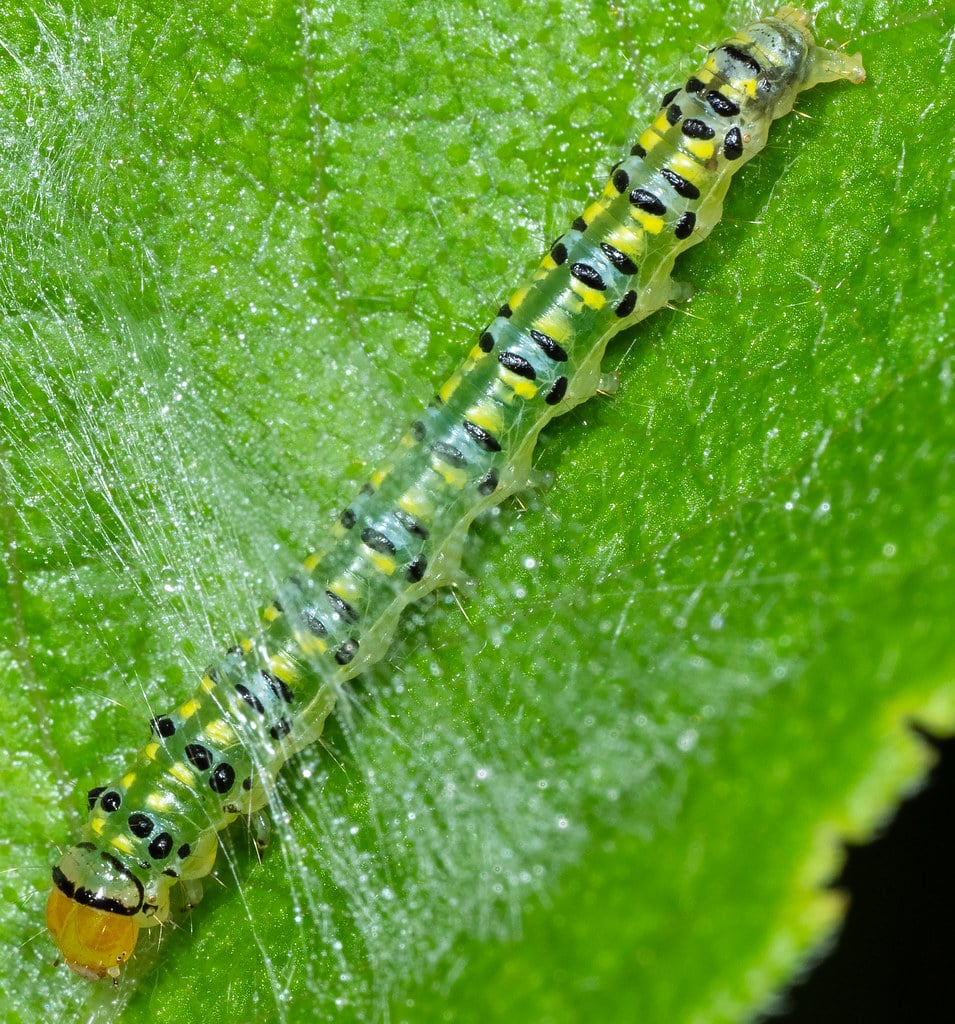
(609, 775)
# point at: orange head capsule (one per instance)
(93, 911)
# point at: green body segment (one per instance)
(215, 756)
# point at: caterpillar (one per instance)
(215, 757)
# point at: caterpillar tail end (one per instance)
(825, 65)
(93, 943)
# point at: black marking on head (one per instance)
(162, 726)
(183, 852)
(488, 483)
(673, 116)
(517, 364)
(250, 698)
(346, 652)
(347, 518)
(95, 899)
(627, 304)
(558, 253)
(340, 605)
(557, 391)
(278, 686)
(93, 795)
(620, 260)
(694, 128)
(721, 104)
(414, 526)
(416, 569)
(647, 202)
(485, 342)
(110, 801)
(199, 756)
(161, 846)
(621, 180)
(579, 224)
(733, 144)
(247, 783)
(587, 275)
(141, 825)
(669, 98)
(377, 541)
(548, 346)
(481, 437)
(742, 58)
(447, 452)
(681, 186)
(222, 778)
(685, 225)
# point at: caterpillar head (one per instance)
(92, 911)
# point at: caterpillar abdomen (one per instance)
(215, 756)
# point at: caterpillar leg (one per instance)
(192, 892)
(260, 825)
(680, 291)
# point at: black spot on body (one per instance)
(281, 728)
(162, 726)
(367, 490)
(587, 275)
(620, 260)
(347, 519)
(485, 343)
(684, 226)
(557, 391)
(161, 846)
(694, 85)
(340, 605)
(222, 778)
(721, 104)
(505, 311)
(488, 483)
(199, 756)
(140, 825)
(481, 437)
(669, 98)
(673, 116)
(558, 252)
(111, 801)
(411, 524)
(416, 569)
(279, 687)
(93, 795)
(647, 202)
(638, 150)
(418, 430)
(377, 541)
(448, 453)
(314, 624)
(517, 364)
(183, 852)
(548, 346)
(694, 128)
(621, 180)
(680, 185)
(627, 304)
(346, 652)
(733, 144)
(250, 698)
(579, 224)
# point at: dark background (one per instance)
(895, 957)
